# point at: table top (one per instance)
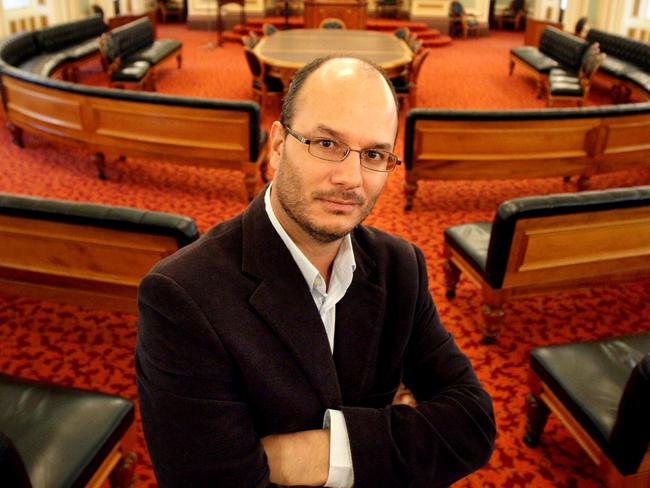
(296, 47)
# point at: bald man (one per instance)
(270, 351)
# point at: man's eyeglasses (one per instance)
(331, 150)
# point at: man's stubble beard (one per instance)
(289, 191)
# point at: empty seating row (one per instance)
(627, 64)
(506, 144)
(59, 48)
(131, 52)
(118, 123)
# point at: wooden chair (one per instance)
(514, 14)
(548, 244)
(389, 8)
(600, 391)
(263, 84)
(567, 86)
(461, 21)
(57, 436)
(171, 9)
(269, 29)
(331, 23)
(406, 86)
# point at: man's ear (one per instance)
(277, 137)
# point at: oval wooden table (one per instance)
(284, 52)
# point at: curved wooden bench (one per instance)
(505, 144)
(197, 131)
(551, 243)
(83, 253)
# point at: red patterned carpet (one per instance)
(94, 349)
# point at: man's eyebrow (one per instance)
(334, 134)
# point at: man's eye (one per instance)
(375, 155)
(326, 144)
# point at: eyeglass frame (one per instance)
(308, 142)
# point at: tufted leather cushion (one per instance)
(623, 48)
(58, 37)
(62, 434)
(133, 71)
(492, 264)
(130, 38)
(617, 67)
(43, 64)
(179, 226)
(571, 371)
(562, 83)
(641, 78)
(18, 48)
(471, 241)
(534, 57)
(156, 52)
(565, 48)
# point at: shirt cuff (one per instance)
(341, 472)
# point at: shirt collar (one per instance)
(344, 263)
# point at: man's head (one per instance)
(346, 101)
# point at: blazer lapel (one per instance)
(359, 318)
(285, 303)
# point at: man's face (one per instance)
(325, 200)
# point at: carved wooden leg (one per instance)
(583, 183)
(179, 61)
(100, 162)
(540, 87)
(512, 68)
(493, 318)
(621, 93)
(410, 187)
(536, 417)
(452, 275)
(16, 134)
(123, 475)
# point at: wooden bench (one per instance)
(551, 243)
(82, 253)
(505, 144)
(196, 131)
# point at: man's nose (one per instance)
(348, 171)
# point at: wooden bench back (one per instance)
(199, 132)
(565, 251)
(500, 146)
(84, 253)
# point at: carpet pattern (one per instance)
(94, 349)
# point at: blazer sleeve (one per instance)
(448, 435)
(198, 430)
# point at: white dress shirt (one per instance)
(341, 473)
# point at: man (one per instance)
(270, 350)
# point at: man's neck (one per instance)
(320, 254)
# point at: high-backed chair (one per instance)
(332, 23)
(171, 9)
(566, 85)
(263, 84)
(600, 391)
(57, 437)
(389, 8)
(551, 243)
(269, 29)
(461, 21)
(83, 253)
(514, 14)
(406, 86)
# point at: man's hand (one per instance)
(299, 458)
